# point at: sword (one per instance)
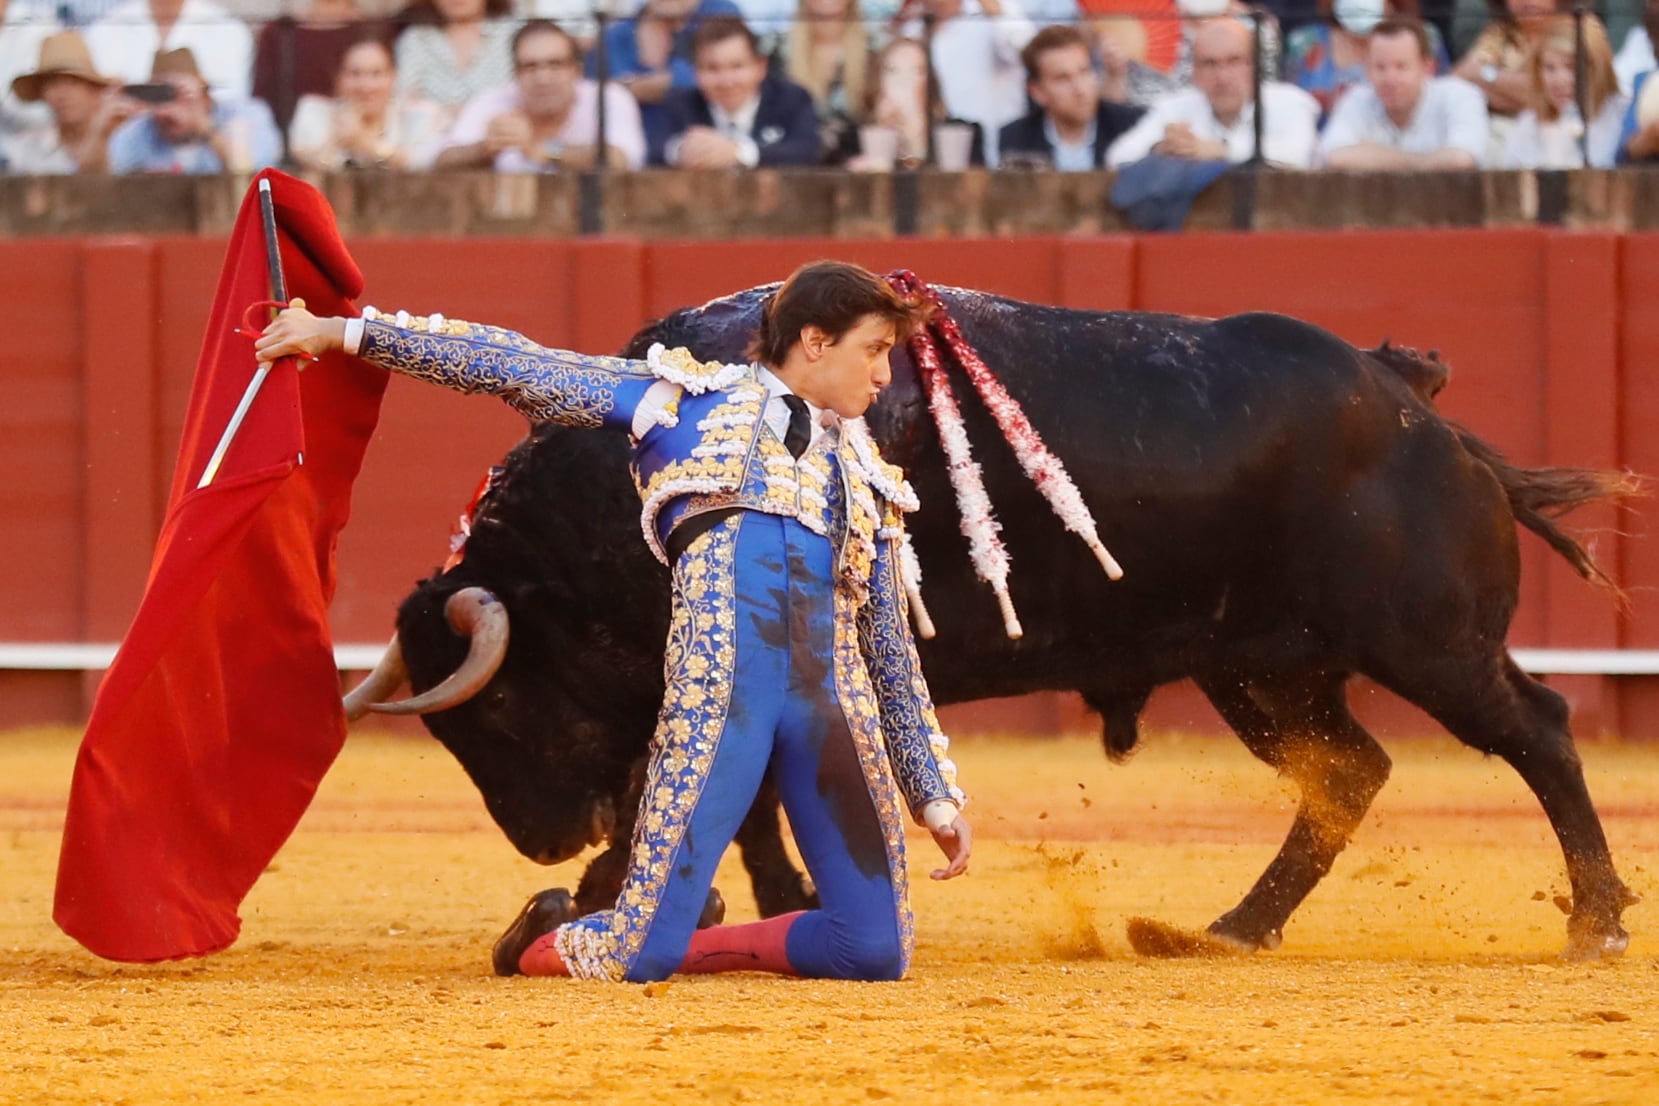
(279, 292)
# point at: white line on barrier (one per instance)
(95, 657)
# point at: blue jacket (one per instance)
(1027, 135)
(785, 129)
(1628, 131)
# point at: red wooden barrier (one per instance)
(1548, 332)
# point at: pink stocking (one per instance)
(542, 958)
(753, 947)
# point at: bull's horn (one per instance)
(476, 613)
(389, 675)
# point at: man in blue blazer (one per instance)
(737, 116)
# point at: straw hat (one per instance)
(64, 54)
(177, 62)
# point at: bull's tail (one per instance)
(1539, 496)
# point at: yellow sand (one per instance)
(1423, 970)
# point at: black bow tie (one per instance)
(799, 434)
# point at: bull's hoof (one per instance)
(544, 913)
(1150, 937)
(714, 910)
(1590, 943)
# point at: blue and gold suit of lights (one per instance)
(789, 646)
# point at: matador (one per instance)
(789, 644)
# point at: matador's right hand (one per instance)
(296, 331)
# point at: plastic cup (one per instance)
(880, 147)
(953, 145)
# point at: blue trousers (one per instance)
(763, 671)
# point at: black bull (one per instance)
(1290, 511)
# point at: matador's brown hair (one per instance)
(834, 296)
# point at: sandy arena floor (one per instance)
(1424, 970)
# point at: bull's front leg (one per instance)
(601, 883)
(779, 887)
(1306, 732)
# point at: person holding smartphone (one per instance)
(183, 128)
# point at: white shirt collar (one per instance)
(1068, 154)
(820, 418)
(775, 387)
(737, 124)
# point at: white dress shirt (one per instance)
(1290, 127)
(623, 129)
(1451, 114)
(776, 415)
(1536, 144)
(739, 126)
(1636, 56)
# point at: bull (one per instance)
(1290, 510)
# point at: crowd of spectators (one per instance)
(208, 86)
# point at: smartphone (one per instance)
(159, 93)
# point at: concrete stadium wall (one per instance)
(1549, 333)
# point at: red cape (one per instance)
(221, 712)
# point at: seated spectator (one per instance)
(976, 56)
(1143, 84)
(126, 41)
(1072, 127)
(364, 126)
(24, 26)
(81, 107)
(454, 49)
(827, 52)
(300, 57)
(548, 117)
(194, 131)
(651, 55)
(1327, 57)
(903, 97)
(1405, 117)
(1636, 55)
(1547, 135)
(1215, 119)
(737, 116)
(1497, 64)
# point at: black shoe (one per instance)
(714, 910)
(544, 913)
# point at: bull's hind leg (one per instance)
(1500, 710)
(1302, 728)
